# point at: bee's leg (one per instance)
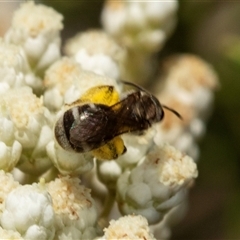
(111, 150)
(106, 95)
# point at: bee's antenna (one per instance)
(134, 85)
(144, 90)
(173, 111)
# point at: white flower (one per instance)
(14, 68)
(74, 208)
(10, 149)
(109, 172)
(128, 227)
(29, 124)
(87, 80)
(157, 185)
(66, 82)
(28, 209)
(26, 112)
(191, 79)
(176, 131)
(13, 56)
(7, 185)
(174, 168)
(68, 162)
(142, 25)
(9, 155)
(98, 52)
(37, 29)
(187, 85)
(36, 160)
(137, 146)
(151, 179)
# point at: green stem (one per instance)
(51, 174)
(107, 207)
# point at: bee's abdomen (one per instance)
(62, 130)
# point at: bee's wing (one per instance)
(128, 114)
(88, 132)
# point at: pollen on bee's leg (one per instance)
(102, 95)
(111, 150)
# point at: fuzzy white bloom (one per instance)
(69, 162)
(187, 85)
(86, 81)
(141, 25)
(128, 227)
(175, 169)
(9, 155)
(37, 29)
(176, 131)
(7, 185)
(13, 57)
(137, 146)
(66, 82)
(109, 172)
(26, 129)
(96, 51)
(10, 148)
(27, 114)
(75, 210)
(28, 209)
(149, 180)
(191, 79)
(157, 185)
(14, 68)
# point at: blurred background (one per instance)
(210, 29)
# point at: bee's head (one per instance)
(153, 110)
(149, 107)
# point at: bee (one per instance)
(97, 126)
(94, 98)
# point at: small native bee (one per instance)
(90, 125)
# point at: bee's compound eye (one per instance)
(153, 109)
(151, 113)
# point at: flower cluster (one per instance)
(187, 84)
(143, 28)
(49, 191)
